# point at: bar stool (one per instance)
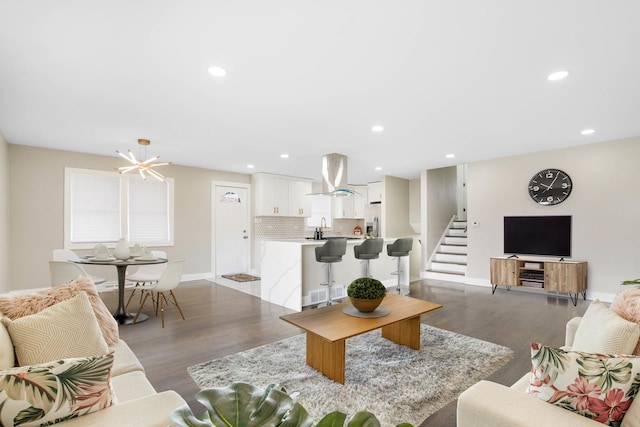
(398, 249)
(369, 249)
(331, 252)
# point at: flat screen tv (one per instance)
(538, 235)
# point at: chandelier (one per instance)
(144, 168)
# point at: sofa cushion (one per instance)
(67, 329)
(7, 354)
(148, 411)
(130, 386)
(603, 331)
(626, 304)
(596, 386)
(125, 359)
(55, 391)
(18, 306)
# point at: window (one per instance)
(102, 207)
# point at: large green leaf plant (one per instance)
(245, 405)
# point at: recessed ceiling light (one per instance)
(217, 71)
(558, 75)
(378, 168)
(588, 131)
(250, 166)
(450, 156)
(284, 156)
(377, 128)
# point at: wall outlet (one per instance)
(475, 224)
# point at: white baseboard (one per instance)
(197, 276)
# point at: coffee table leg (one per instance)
(405, 332)
(325, 356)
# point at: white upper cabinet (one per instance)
(375, 192)
(277, 195)
(359, 201)
(299, 202)
(350, 207)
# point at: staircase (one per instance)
(449, 262)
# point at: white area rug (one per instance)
(394, 382)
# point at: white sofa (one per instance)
(488, 404)
(138, 403)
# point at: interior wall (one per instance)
(441, 203)
(395, 217)
(604, 204)
(36, 207)
(5, 266)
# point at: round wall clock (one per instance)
(550, 187)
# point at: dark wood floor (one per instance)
(222, 321)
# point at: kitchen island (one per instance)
(291, 276)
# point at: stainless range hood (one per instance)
(334, 176)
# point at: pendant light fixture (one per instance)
(144, 168)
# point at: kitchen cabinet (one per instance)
(277, 195)
(351, 207)
(360, 201)
(375, 192)
(299, 202)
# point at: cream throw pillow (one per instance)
(7, 355)
(18, 306)
(602, 331)
(64, 330)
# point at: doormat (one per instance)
(241, 277)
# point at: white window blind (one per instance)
(102, 207)
(148, 211)
(95, 207)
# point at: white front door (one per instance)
(231, 229)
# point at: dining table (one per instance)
(121, 315)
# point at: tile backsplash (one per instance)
(271, 227)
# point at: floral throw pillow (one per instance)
(56, 391)
(596, 386)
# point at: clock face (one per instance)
(550, 187)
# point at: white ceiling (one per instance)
(311, 77)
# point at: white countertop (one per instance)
(311, 242)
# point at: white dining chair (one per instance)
(146, 274)
(63, 272)
(169, 280)
(66, 255)
(150, 272)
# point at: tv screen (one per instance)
(538, 235)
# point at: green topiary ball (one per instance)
(366, 288)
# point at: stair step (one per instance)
(449, 267)
(451, 258)
(453, 249)
(456, 232)
(459, 224)
(455, 240)
(455, 273)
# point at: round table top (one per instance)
(116, 262)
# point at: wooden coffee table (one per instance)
(328, 328)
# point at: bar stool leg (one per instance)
(329, 283)
(399, 274)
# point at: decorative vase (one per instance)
(365, 305)
(122, 250)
